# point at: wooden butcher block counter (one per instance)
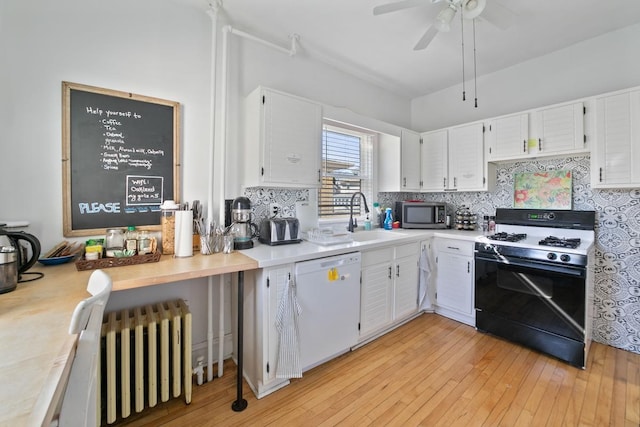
(36, 350)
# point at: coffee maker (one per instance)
(242, 228)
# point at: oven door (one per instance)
(542, 296)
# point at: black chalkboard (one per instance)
(120, 159)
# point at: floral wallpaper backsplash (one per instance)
(617, 264)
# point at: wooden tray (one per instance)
(83, 264)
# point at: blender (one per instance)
(242, 227)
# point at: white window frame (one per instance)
(372, 136)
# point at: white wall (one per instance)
(153, 48)
(602, 64)
(158, 48)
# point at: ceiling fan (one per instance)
(470, 9)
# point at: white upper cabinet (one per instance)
(558, 130)
(434, 160)
(551, 131)
(283, 140)
(410, 159)
(466, 158)
(453, 160)
(507, 137)
(616, 158)
(399, 162)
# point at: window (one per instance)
(347, 163)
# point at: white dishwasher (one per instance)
(328, 291)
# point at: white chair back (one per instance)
(79, 404)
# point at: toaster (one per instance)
(279, 231)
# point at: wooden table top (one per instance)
(36, 348)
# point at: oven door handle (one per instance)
(569, 271)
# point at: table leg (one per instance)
(240, 404)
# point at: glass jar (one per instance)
(114, 241)
(144, 243)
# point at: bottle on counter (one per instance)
(377, 215)
(485, 224)
(131, 239)
(492, 224)
(367, 221)
(388, 219)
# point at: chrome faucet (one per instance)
(353, 223)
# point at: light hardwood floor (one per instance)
(433, 372)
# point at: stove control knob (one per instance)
(565, 258)
(551, 256)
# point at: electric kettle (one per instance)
(14, 257)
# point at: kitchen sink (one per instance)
(367, 236)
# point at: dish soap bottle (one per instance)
(388, 219)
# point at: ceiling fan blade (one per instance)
(498, 15)
(426, 38)
(400, 5)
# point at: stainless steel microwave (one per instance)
(418, 214)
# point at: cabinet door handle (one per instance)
(455, 182)
(444, 182)
(539, 144)
(397, 271)
(600, 174)
(404, 182)
(319, 175)
(524, 145)
(453, 247)
(468, 266)
(389, 272)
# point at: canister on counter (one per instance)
(168, 226)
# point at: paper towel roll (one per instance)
(184, 234)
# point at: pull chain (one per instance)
(462, 37)
(475, 75)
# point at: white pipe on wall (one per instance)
(213, 14)
(291, 52)
(217, 172)
(222, 146)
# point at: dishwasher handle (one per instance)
(321, 264)
(334, 263)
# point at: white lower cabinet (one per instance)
(455, 280)
(263, 291)
(389, 291)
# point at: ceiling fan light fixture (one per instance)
(443, 20)
(471, 9)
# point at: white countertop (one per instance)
(269, 256)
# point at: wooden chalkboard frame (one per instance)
(70, 175)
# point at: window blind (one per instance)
(346, 170)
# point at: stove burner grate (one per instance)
(508, 237)
(560, 242)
